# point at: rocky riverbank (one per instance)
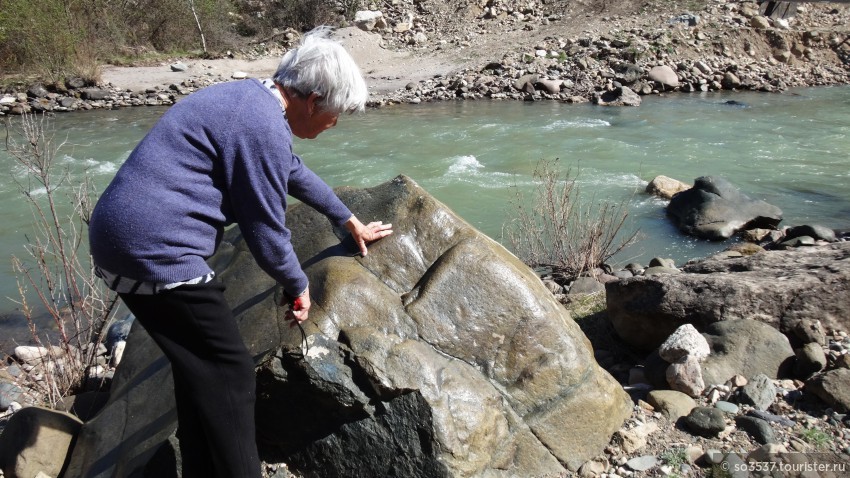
(736, 395)
(606, 52)
(507, 51)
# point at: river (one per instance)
(791, 150)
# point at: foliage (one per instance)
(171, 25)
(58, 269)
(816, 437)
(58, 39)
(264, 18)
(349, 7)
(674, 457)
(43, 34)
(559, 229)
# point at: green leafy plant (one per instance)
(674, 456)
(816, 437)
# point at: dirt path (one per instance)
(385, 70)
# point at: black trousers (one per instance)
(214, 378)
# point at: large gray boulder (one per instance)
(745, 347)
(438, 354)
(714, 209)
(780, 288)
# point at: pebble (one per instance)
(757, 428)
(760, 392)
(770, 417)
(727, 407)
(713, 456)
(642, 463)
(706, 422)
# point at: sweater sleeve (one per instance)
(308, 188)
(258, 175)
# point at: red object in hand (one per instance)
(298, 303)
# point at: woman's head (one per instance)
(321, 66)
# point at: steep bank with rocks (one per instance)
(561, 50)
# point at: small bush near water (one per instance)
(560, 230)
(56, 272)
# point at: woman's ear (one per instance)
(312, 107)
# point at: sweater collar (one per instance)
(270, 84)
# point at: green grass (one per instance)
(674, 457)
(816, 437)
(717, 471)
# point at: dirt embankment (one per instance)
(446, 38)
(506, 49)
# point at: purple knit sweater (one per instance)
(220, 156)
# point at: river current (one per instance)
(791, 150)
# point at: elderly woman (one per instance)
(223, 155)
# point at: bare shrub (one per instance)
(264, 19)
(559, 229)
(58, 270)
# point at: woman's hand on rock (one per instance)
(365, 234)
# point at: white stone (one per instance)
(117, 353)
(782, 23)
(685, 341)
(239, 75)
(664, 75)
(367, 20)
(30, 354)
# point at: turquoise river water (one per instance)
(791, 150)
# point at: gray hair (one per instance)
(322, 66)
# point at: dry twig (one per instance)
(58, 270)
(558, 230)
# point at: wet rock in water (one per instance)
(665, 187)
(714, 209)
(817, 232)
(622, 96)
